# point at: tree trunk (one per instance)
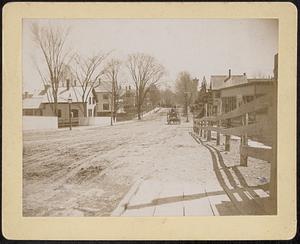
(186, 107)
(115, 117)
(84, 106)
(85, 109)
(55, 105)
(139, 111)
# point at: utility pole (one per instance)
(186, 105)
(70, 111)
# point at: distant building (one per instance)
(128, 98)
(32, 106)
(103, 96)
(229, 92)
(43, 104)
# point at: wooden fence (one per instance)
(65, 122)
(255, 120)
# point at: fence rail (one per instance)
(254, 120)
(253, 106)
(261, 130)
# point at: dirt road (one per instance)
(87, 171)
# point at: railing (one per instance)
(263, 128)
(65, 122)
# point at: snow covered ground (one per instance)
(89, 170)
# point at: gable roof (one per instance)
(63, 94)
(105, 86)
(32, 102)
(261, 80)
(218, 81)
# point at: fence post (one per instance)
(218, 133)
(208, 132)
(227, 138)
(244, 142)
(205, 131)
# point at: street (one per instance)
(136, 168)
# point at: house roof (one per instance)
(63, 94)
(105, 86)
(218, 81)
(32, 102)
(261, 80)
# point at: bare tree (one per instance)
(88, 72)
(154, 95)
(168, 97)
(144, 71)
(111, 75)
(51, 41)
(186, 90)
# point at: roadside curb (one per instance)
(124, 202)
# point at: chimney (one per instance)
(68, 84)
(244, 74)
(229, 75)
(129, 87)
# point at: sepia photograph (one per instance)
(149, 117)
(149, 121)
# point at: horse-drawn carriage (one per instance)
(173, 117)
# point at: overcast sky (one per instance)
(201, 47)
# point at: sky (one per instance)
(203, 47)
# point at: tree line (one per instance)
(144, 70)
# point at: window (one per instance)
(38, 112)
(215, 110)
(228, 104)
(90, 112)
(90, 100)
(105, 96)
(247, 99)
(75, 113)
(217, 94)
(27, 111)
(59, 113)
(105, 106)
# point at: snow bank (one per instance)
(153, 111)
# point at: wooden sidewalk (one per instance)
(152, 198)
(224, 193)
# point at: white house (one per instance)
(81, 106)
